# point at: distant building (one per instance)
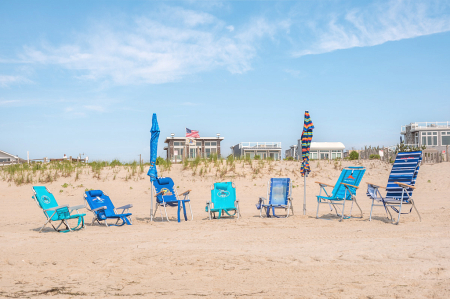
(180, 148)
(323, 150)
(291, 152)
(7, 158)
(262, 149)
(434, 135)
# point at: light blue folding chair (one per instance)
(400, 186)
(223, 201)
(343, 191)
(54, 212)
(279, 194)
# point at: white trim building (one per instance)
(7, 158)
(323, 150)
(262, 149)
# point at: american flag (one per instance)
(192, 133)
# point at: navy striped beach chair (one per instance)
(400, 186)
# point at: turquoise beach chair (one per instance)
(54, 213)
(343, 191)
(223, 200)
(279, 193)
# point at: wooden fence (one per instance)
(388, 154)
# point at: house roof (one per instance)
(8, 154)
(327, 146)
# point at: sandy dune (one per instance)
(298, 257)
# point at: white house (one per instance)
(323, 150)
(7, 158)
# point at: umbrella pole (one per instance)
(304, 197)
(151, 202)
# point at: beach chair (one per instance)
(343, 191)
(103, 209)
(167, 196)
(400, 186)
(279, 193)
(223, 200)
(55, 213)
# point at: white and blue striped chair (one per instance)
(400, 186)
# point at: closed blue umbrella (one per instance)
(152, 172)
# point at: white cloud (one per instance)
(8, 102)
(189, 104)
(175, 43)
(377, 24)
(230, 28)
(97, 108)
(7, 80)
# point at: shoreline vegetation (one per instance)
(200, 168)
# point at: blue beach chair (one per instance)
(167, 196)
(103, 209)
(343, 191)
(54, 213)
(279, 193)
(400, 186)
(223, 200)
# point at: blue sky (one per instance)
(86, 76)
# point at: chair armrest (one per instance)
(345, 184)
(56, 208)
(98, 209)
(262, 198)
(237, 200)
(186, 192)
(77, 207)
(290, 198)
(404, 185)
(125, 207)
(376, 186)
(323, 184)
(159, 193)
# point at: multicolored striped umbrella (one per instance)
(306, 144)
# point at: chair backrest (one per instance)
(405, 170)
(350, 175)
(97, 199)
(166, 185)
(223, 195)
(279, 190)
(46, 200)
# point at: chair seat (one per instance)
(74, 216)
(275, 206)
(119, 215)
(330, 198)
(226, 209)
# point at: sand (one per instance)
(297, 257)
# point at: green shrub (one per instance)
(374, 157)
(160, 161)
(257, 157)
(354, 155)
(290, 158)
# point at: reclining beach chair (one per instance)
(167, 196)
(103, 209)
(223, 200)
(400, 186)
(54, 213)
(279, 193)
(343, 191)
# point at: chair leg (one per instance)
(190, 209)
(361, 212)
(49, 219)
(317, 213)
(371, 208)
(343, 210)
(165, 211)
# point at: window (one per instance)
(5, 160)
(445, 138)
(199, 143)
(207, 143)
(192, 153)
(178, 143)
(429, 138)
(213, 143)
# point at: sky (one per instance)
(86, 76)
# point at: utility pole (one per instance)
(140, 160)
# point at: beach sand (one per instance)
(297, 257)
